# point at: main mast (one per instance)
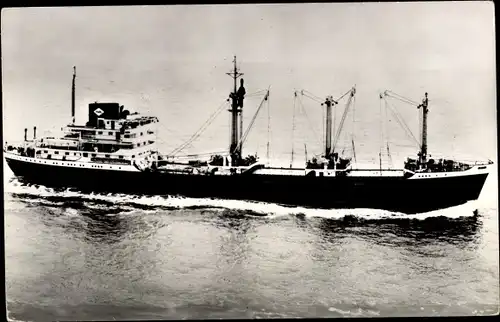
(329, 102)
(423, 151)
(236, 110)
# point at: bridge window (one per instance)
(107, 155)
(120, 157)
(110, 133)
(67, 153)
(93, 155)
(85, 155)
(56, 152)
(100, 132)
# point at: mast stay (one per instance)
(422, 144)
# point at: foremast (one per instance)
(237, 97)
(329, 102)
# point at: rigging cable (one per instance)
(311, 96)
(303, 110)
(293, 124)
(387, 136)
(257, 93)
(341, 97)
(200, 130)
(323, 133)
(420, 126)
(402, 123)
(268, 129)
(346, 139)
(353, 125)
(305, 152)
(381, 134)
(411, 102)
(401, 98)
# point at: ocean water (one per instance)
(71, 256)
(74, 256)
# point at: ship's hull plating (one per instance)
(389, 193)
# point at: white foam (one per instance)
(358, 312)
(268, 209)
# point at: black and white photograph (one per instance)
(249, 161)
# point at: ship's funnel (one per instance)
(34, 132)
(110, 111)
(25, 134)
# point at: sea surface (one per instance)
(70, 256)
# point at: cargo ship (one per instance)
(116, 151)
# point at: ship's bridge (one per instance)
(110, 129)
(110, 124)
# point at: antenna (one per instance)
(73, 96)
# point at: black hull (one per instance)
(388, 193)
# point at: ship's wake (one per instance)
(119, 203)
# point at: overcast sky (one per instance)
(176, 56)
